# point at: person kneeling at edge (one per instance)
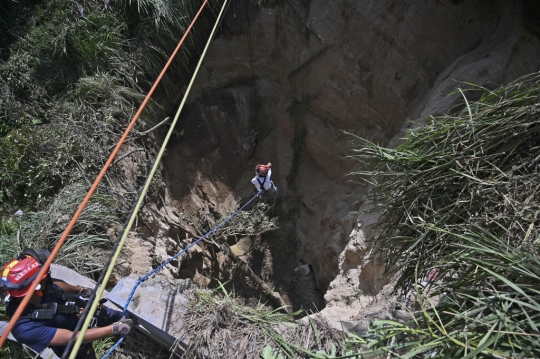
(53, 311)
(262, 179)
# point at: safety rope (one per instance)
(77, 214)
(143, 194)
(248, 35)
(144, 278)
(91, 299)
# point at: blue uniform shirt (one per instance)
(37, 334)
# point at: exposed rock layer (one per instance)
(319, 68)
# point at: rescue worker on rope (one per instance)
(262, 179)
(54, 308)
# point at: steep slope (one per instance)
(282, 82)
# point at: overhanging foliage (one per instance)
(460, 194)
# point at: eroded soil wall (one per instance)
(282, 83)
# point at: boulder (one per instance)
(159, 304)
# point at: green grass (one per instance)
(71, 79)
(460, 194)
(72, 75)
(78, 73)
(216, 319)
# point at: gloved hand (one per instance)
(86, 292)
(123, 327)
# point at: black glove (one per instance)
(123, 327)
(86, 292)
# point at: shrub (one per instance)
(460, 194)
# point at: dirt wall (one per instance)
(284, 80)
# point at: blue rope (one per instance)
(114, 346)
(142, 279)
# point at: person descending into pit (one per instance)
(262, 179)
(54, 308)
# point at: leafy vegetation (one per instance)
(257, 332)
(460, 195)
(72, 75)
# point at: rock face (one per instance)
(285, 79)
(159, 304)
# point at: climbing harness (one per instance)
(48, 310)
(261, 183)
(74, 304)
(262, 171)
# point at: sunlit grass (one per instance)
(460, 194)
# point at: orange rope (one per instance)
(83, 204)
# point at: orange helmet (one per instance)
(18, 274)
(261, 170)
